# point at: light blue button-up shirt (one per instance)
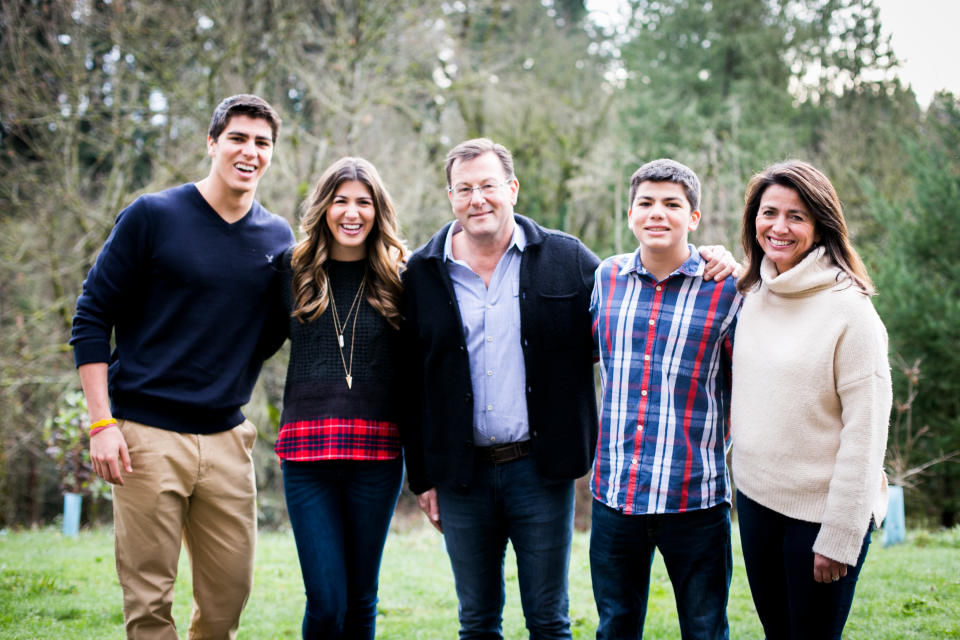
(491, 325)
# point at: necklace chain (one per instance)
(338, 327)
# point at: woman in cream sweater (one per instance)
(810, 408)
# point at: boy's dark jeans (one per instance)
(695, 546)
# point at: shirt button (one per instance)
(489, 373)
(489, 407)
(489, 338)
(659, 288)
(646, 356)
(492, 439)
(643, 392)
(652, 322)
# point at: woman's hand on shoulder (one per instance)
(720, 263)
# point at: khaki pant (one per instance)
(199, 489)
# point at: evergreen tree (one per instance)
(918, 278)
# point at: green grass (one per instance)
(55, 587)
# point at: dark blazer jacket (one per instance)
(556, 280)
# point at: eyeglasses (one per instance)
(488, 189)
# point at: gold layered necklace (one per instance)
(338, 327)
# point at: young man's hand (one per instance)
(720, 263)
(108, 451)
(108, 448)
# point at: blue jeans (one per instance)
(340, 512)
(695, 546)
(510, 501)
(778, 554)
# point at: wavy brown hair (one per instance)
(819, 197)
(385, 248)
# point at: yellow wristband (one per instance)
(106, 422)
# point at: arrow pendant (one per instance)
(349, 381)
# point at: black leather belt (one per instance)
(503, 452)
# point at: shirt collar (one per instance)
(692, 266)
(519, 240)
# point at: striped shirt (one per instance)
(665, 355)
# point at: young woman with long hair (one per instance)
(338, 439)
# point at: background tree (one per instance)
(918, 278)
(729, 87)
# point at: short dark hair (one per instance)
(667, 170)
(243, 104)
(470, 149)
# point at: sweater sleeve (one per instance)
(110, 284)
(857, 487)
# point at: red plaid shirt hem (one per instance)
(338, 439)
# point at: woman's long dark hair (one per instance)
(819, 197)
(385, 249)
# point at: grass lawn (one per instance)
(55, 587)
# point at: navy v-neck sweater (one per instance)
(186, 296)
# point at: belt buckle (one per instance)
(503, 453)
(506, 452)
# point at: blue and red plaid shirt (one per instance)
(665, 354)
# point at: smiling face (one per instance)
(486, 215)
(241, 154)
(660, 218)
(786, 229)
(350, 218)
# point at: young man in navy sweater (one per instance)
(186, 285)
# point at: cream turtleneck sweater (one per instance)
(811, 402)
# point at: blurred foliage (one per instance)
(918, 278)
(102, 100)
(67, 445)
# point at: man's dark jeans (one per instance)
(510, 501)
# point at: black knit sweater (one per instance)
(316, 386)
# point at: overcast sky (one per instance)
(925, 38)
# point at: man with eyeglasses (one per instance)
(503, 412)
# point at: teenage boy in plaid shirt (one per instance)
(665, 337)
